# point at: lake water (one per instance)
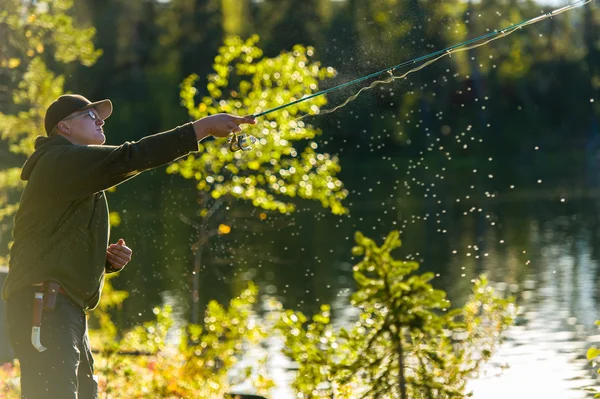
(532, 225)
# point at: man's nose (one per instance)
(100, 122)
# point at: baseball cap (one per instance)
(66, 104)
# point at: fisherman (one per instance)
(61, 249)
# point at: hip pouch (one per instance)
(51, 291)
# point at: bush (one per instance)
(405, 343)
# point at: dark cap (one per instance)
(66, 104)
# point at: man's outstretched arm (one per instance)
(80, 171)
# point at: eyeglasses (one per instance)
(88, 112)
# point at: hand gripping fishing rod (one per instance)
(244, 142)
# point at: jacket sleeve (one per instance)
(110, 269)
(80, 171)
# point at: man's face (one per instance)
(84, 127)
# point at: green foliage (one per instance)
(213, 349)
(37, 89)
(405, 342)
(30, 32)
(9, 180)
(106, 330)
(284, 162)
(34, 34)
(32, 27)
(591, 355)
(9, 380)
(143, 364)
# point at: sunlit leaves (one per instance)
(32, 31)
(111, 298)
(591, 355)
(284, 162)
(9, 180)
(151, 336)
(224, 229)
(37, 89)
(314, 346)
(30, 28)
(402, 314)
(115, 219)
(211, 350)
(11, 63)
(144, 363)
(404, 343)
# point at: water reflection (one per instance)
(545, 351)
(543, 355)
(539, 242)
(546, 258)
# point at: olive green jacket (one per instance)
(62, 228)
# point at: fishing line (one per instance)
(429, 58)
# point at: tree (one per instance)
(37, 36)
(405, 342)
(284, 163)
(284, 24)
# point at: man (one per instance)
(61, 237)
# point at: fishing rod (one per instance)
(244, 142)
(433, 56)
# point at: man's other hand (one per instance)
(118, 255)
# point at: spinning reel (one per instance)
(240, 141)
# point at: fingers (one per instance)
(115, 261)
(221, 125)
(240, 120)
(118, 254)
(120, 244)
(245, 119)
(121, 251)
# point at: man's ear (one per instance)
(63, 128)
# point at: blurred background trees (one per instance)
(538, 86)
(149, 47)
(40, 43)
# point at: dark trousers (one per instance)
(65, 369)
